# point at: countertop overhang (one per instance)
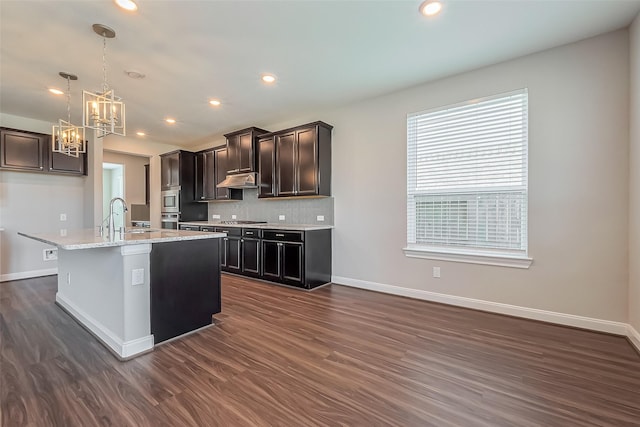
(91, 238)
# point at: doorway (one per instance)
(112, 186)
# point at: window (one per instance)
(467, 181)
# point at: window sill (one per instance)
(472, 257)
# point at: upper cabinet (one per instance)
(212, 170)
(241, 148)
(32, 152)
(170, 170)
(296, 161)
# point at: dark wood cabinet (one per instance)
(178, 172)
(296, 162)
(251, 256)
(231, 256)
(32, 152)
(211, 170)
(266, 166)
(170, 170)
(283, 262)
(147, 185)
(241, 148)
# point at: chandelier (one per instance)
(103, 111)
(67, 138)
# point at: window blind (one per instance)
(467, 175)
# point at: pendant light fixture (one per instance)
(103, 111)
(67, 138)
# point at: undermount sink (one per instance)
(141, 230)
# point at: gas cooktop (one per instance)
(242, 221)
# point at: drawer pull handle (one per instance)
(279, 235)
(249, 232)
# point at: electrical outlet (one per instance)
(436, 272)
(49, 254)
(63, 232)
(137, 276)
(63, 217)
(234, 216)
(320, 217)
(215, 216)
(281, 217)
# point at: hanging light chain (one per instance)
(68, 99)
(105, 85)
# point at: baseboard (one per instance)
(617, 328)
(123, 350)
(28, 274)
(634, 337)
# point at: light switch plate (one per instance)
(436, 272)
(281, 217)
(137, 276)
(63, 232)
(234, 216)
(63, 217)
(215, 216)
(320, 217)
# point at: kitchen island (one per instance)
(139, 288)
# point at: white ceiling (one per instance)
(324, 53)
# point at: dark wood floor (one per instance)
(335, 356)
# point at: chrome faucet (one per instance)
(112, 225)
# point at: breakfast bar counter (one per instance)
(141, 287)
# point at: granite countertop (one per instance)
(269, 226)
(90, 238)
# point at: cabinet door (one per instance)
(147, 186)
(209, 175)
(62, 163)
(200, 177)
(266, 167)
(233, 154)
(175, 170)
(271, 260)
(251, 256)
(245, 156)
(292, 263)
(224, 247)
(285, 164)
(234, 254)
(170, 170)
(220, 160)
(307, 164)
(23, 150)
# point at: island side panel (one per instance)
(185, 286)
(90, 289)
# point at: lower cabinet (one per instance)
(295, 258)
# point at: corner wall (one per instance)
(634, 190)
(578, 187)
(32, 202)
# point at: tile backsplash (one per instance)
(295, 210)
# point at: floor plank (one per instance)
(336, 356)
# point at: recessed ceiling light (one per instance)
(137, 75)
(55, 91)
(430, 7)
(140, 133)
(215, 102)
(129, 5)
(170, 121)
(268, 78)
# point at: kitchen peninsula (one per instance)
(139, 288)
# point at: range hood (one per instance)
(242, 180)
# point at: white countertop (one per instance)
(270, 226)
(90, 238)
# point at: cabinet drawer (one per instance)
(251, 232)
(289, 236)
(231, 231)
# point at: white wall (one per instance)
(32, 202)
(578, 183)
(134, 179)
(634, 193)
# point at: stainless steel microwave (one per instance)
(171, 201)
